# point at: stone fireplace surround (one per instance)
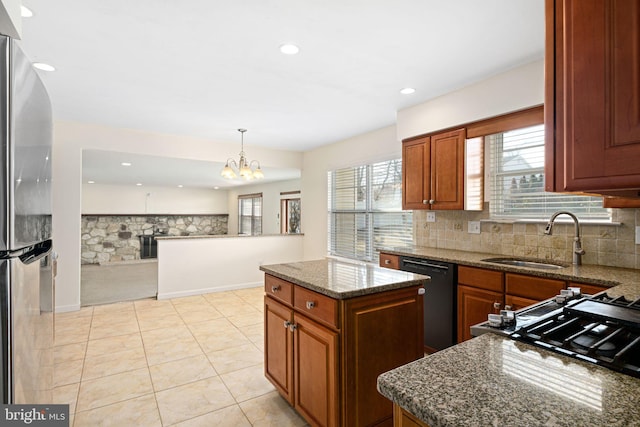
(115, 238)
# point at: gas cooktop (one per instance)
(600, 329)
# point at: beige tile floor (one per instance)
(194, 361)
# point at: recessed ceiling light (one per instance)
(215, 188)
(91, 182)
(139, 184)
(125, 164)
(180, 185)
(407, 90)
(25, 12)
(44, 67)
(289, 49)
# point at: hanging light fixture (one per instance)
(245, 168)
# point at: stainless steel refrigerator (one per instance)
(26, 270)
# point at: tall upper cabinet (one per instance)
(592, 96)
(442, 171)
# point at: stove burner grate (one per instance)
(602, 332)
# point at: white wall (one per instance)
(70, 139)
(371, 147)
(121, 199)
(270, 204)
(513, 90)
(516, 89)
(196, 266)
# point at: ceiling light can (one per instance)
(44, 67)
(407, 90)
(289, 49)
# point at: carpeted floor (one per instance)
(105, 284)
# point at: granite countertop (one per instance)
(495, 381)
(593, 274)
(219, 236)
(342, 279)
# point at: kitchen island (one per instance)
(331, 327)
(494, 380)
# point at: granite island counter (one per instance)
(494, 380)
(331, 327)
(343, 279)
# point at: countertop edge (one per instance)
(588, 274)
(344, 294)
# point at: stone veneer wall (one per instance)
(610, 245)
(114, 238)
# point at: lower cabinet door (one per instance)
(278, 343)
(473, 307)
(316, 372)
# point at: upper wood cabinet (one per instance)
(442, 171)
(592, 96)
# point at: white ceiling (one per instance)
(208, 67)
(105, 167)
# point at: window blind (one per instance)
(250, 214)
(365, 210)
(517, 180)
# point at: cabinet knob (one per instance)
(425, 202)
(432, 202)
(293, 327)
(387, 261)
(287, 324)
(310, 305)
(275, 289)
(497, 305)
(507, 307)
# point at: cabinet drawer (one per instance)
(587, 288)
(316, 306)
(278, 289)
(390, 261)
(517, 303)
(481, 278)
(532, 287)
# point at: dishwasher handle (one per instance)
(425, 264)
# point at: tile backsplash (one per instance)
(610, 245)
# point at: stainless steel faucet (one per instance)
(577, 244)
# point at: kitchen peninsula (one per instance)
(331, 327)
(193, 265)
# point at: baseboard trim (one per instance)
(169, 295)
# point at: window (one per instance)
(517, 180)
(365, 210)
(250, 214)
(290, 213)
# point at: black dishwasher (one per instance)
(439, 300)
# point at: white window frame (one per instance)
(522, 201)
(361, 231)
(255, 216)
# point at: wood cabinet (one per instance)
(390, 261)
(588, 288)
(480, 292)
(592, 96)
(403, 418)
(324, 355)
(435, 171)
(532, 287)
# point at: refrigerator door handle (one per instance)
(38, 252)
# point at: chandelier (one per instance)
(244, 168)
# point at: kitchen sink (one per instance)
(518, 262)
